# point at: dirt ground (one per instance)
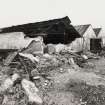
(78, 87)
(63, 84)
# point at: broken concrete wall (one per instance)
(16, 40)
(77, 45)
(35, 47)
(11, 40)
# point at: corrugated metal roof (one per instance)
(82, 28)
(97, 31)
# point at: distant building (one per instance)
(100, 34)
(87, 33)
(99, 41)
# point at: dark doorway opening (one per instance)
(95, 45)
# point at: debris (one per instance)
(61, 70)
(88, 65)
(71, 61)
(15, 77)
(25, 67)
(37, 77)
(35, 47)
(50, 49)
(30, 56)
(31, 91)
(34, 73)
(8, 83)
(5, 100)
(46, 82)
(10, 58)
(47, 56)
(59, 47)
(91, 55)
(85, 57)
(47, 66)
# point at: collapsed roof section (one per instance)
(53, 31)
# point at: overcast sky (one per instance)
(14, 12)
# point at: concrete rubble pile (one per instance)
(26, 74)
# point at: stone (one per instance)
(36, 78)
(31, 91)
(34, 73)
(47, 56)
(50, 49)
(8, 82)
(15, 77)
(85, 57)
(29, 56)
(59, 47)
(35, 47)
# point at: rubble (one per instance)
(35, 47)
(85, 57)
(29, 56)
(31, 91)
(59, 47)
(46, 55)
(91, 55)
(10, 58)
(35, 76)
(8, 82)
(34, 73)
(50, 49)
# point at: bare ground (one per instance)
(78, 86)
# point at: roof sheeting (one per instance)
(53, 31)
(81, 28)
(36, 27)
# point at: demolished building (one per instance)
(28, 79)
(53, 31)
(29, 38)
